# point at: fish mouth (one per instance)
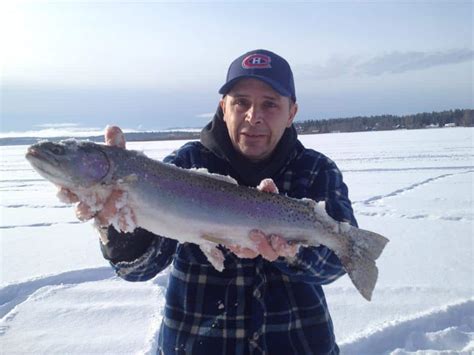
(37, 155)
(42, 162)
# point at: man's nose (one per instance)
(254, 115)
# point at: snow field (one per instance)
(58, 294)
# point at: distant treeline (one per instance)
(161, 136)
(451, 118)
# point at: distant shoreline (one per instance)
(166, 136)
(425, 120)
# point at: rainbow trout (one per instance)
(202, 208)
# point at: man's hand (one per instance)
(114, 206)
(271, 246)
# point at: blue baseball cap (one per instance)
(265, 66)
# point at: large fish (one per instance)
(202, 208)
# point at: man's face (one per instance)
(256, 117)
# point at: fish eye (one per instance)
(57, 150)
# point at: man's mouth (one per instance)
(252, 135)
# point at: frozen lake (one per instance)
(415, 187)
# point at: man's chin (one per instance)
(254, 154)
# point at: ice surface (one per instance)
(447, 328)
(415, 187)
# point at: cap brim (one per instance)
(224, 90)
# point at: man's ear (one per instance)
(222, 104)
(293, 111)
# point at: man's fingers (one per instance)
(270, 247)
(110, 209)
(267, 185)
(127, 220)
(244, 253)
(117, 212)
(66, 195)
(114, 136)
(83, 211)
(263, 247)
(281, 246)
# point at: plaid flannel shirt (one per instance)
(254, 306)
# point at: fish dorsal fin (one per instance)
(319, 207)
(314, 204)
(225, 178)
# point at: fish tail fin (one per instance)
(358, 258)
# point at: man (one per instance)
(268, 299)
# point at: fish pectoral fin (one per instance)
(214, 255)
(213, 239)
(128, 179)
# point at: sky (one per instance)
(158, 65)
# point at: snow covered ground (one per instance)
(58, 295)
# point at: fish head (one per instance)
(70, 163)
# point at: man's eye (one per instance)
(240, 102)
(270, 104)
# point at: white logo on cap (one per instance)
(257, 61)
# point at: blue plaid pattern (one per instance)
(253, 306)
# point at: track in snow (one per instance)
(450, 327)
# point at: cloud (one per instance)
(395, 62)
(335, 67)
(54, 132)
(206, 115)
(57, 125)
(49, 130)
(400, 62)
